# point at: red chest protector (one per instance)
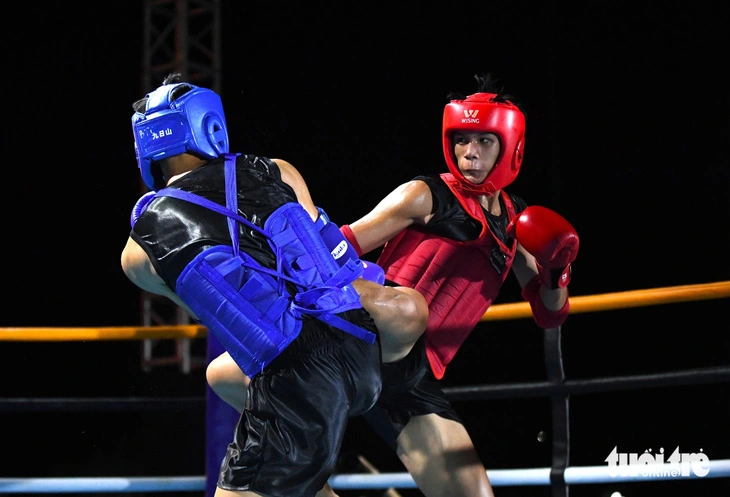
(456, 278)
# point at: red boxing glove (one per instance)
(550, 239)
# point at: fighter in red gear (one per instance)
(454, 237)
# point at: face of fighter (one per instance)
(481, 113)
(476, 154)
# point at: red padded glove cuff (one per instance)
(554, 277)
(544, 317)
(350, 236)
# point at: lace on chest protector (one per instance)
(249, 307)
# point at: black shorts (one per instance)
(409, 389)
(287, 440)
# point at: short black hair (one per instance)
(175, 77)
(489, 83)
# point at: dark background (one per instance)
(628, 137)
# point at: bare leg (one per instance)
(230, 383)
(441, 458)
(400, 313)
(227, 381)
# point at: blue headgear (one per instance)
(193, 123)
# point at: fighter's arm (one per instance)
(547, 244)
(292, 177)
(140, 271)
(410, 203)
(525, 270)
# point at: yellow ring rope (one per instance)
(498, 312)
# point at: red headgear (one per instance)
(481, 113)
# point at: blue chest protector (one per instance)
(247, 306)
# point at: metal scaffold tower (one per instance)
(179, 36)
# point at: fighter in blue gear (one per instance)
(281, 301)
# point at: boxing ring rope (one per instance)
(497, 477)
(559, 476)
(499, 312)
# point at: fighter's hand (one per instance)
(550, 239)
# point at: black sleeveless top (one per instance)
(173, 231)
(451, 221)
